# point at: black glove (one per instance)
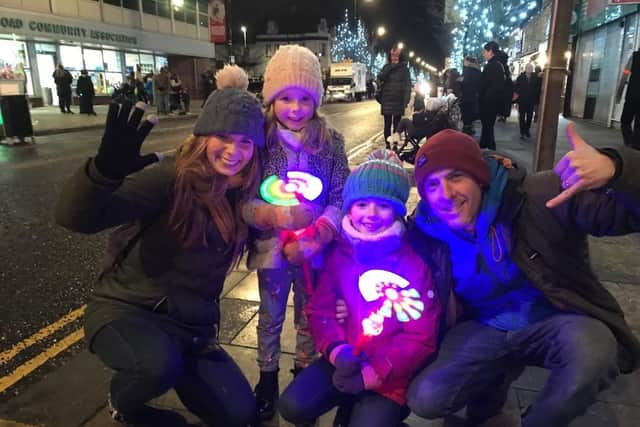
(352, 384)
(119, 152)
(346, 362)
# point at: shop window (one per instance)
(161, 61)
(45, 48)
(112, 61)
(203, 20)
(164, 8)
(109, 81)
(186, 12)
(71, 57)
(93, 59)
(190, 16)
(203, 6)
(131, 4)
(146, 63)
(130, 61)
(149, 6)
(14, 62)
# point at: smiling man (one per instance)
(514, 249)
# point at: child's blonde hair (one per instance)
(315, 136)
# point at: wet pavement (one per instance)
(73, 393)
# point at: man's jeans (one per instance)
(312, 394)
(474, 359)
(163, 102)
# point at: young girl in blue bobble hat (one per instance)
(394, 311)
(298, 140)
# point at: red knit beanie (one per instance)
(450, 149)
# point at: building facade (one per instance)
(109, 38)
(607, 36)
(255, 57)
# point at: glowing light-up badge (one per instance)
(404, 302)
(398, 299)
(290, 190)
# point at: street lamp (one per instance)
(411, 54)
(381, 31)
(400, 45)
(244, 35)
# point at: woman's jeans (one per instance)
(580, 352)
(275, 285)
(312, 394)
(151, 357)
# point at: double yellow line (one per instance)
(31, 365)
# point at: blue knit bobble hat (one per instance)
(381, 177)
(232, 109)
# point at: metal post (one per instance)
(554, 76)
(229, 31)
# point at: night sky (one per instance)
(405, 20)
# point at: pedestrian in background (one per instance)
(298, 139)
(162, 86)
(490, 94)
(630, 119)
(471, 76)
(540, 79)
(208, 83)
(148, 87)
(527, 94)
(394, 84)
(86, 92)
(155, 314)
(63, 80)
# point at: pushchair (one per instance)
(446, 116)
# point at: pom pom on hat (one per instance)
(231, 108)
(232, 76)
(293, 66)
(381, 177)
(450, 149)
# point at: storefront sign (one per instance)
(217, 24)
(33, 26)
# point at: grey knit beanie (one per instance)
(232, 109)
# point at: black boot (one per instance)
(266, 394)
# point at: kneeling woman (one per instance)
(154, 315)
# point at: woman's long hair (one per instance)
(199, 198)
(315, 135)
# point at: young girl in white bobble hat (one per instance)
(299, 140)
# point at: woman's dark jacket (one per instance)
(550, 246)
(158, 277)
(396, 88)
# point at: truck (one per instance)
(347, 81)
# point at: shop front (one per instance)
(607, 38)
(32, 45)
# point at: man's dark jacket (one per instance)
(550, 245)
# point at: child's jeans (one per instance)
(275, 285)
(312, 393)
